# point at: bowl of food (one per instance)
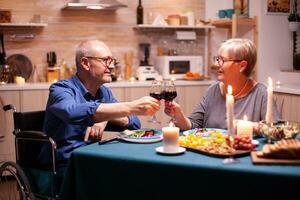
(279, 131)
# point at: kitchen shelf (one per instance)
(23, 25)
(232, 26)
(149, 26)
(234, 23)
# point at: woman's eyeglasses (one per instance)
(107, 61)
(221, 60)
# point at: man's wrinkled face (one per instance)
(101, 64)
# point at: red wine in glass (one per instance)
(156, 91)
(156, 95)
(169, 95)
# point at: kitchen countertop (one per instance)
(288, 88)
(117, 84)
(282, 88)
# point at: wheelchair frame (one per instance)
(26, 132)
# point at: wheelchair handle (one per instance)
(9, 107)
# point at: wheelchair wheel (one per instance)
(14, 183)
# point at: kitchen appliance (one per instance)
(176, 66)
(95, 5)
(145, 71)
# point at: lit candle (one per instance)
(229, 110)
(245, 127)
(170, 138)
(19, 80)
(269, 116)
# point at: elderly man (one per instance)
(79, 109)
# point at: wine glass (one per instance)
(156, 91)
(170, 93)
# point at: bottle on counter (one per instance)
(53, 70)
(128, 57)
(139, 13)
(63, 69)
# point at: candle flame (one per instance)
(245, 118)
(171, 124)
(270, 82)
(229, 89)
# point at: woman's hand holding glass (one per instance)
(170, 94)
(172, 109)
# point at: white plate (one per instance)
(192, 131)
(142, 140)
(156, 138)
(162, 151)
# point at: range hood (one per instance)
(95, 5)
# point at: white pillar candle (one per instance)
(170, 138)
(269, 116)
(229, 110)
(19, 80)
(244, 127)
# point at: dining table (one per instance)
(125, 170)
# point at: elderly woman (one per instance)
(236, 59)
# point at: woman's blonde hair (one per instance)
(241, 49)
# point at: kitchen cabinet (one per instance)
(233, 26)
(187, 97)
(119, 93)
(33, 100)
(288, 105)
(36, 99)
(7, 146)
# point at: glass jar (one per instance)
(6, 75)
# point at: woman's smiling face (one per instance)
(229, 68)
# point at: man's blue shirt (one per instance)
(70, 111)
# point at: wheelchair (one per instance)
(34, 180)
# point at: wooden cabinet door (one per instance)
(33, 100)
(7, 144)
(289, 106)
(119, 93)
(187, 96)
(192, 97)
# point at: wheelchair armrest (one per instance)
(32, 135)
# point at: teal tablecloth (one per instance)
(119, 170)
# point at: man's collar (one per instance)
(77, 82)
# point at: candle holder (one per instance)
(170, 141)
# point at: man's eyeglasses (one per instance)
(222, 60)
(107, 61)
